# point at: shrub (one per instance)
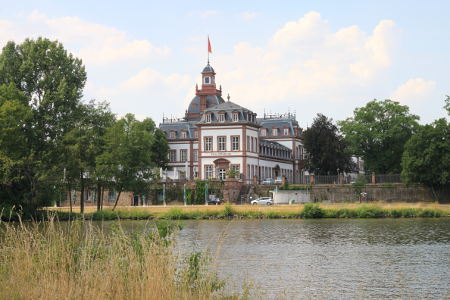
(312, 211)
(366, 211)
(228, 211)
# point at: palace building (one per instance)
(218, 138)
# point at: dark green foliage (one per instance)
(312, 211)
(327, 150)
(426, 158)
(228, 211)
(371, 211)
(360, 184)
(40, 90)
(378, 132)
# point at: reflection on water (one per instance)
(338, 259)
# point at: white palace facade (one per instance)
(217, 135)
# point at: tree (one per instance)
(447, 105)
(426, 158)
(42, 76)
(378, 132)
(84, 143)
(128, 160)
(327, 150)
(16, 158)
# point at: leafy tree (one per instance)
(427, 155)
(378, 132)
(48, 81)
(128, 161)
(85, 142)
(447, 105)
(16, 157)
(327, 150)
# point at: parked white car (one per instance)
(269, 181)
(262, 201)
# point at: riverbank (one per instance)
(329, 210)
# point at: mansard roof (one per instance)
(227, 106)
(228, 109)
(279, 123)
(178, 127)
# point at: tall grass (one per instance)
(82, 261)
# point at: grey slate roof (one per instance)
(207, 69)
(228, 108)
(278, 123)
(178, 127)
(211, 100)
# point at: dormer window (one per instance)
(208, 118)
(235, 117)
(286, 131)
(172, 134)
(263, 132)
(222, 117)
(207, 80)
(275, 131)
(183, 134)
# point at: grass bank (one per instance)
(349, 210)
(81, 261)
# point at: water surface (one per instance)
(329, 259)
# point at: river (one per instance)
(328, 258)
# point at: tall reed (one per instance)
(78, 260)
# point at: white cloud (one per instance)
(305, 59)
(96, 44)
(248, 15)
(414, 90)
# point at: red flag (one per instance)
(209, 46)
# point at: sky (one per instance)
(307, 57)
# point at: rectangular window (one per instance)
(183, 134)
(275, 131)
(173, 155)
(208, 118)
(248, 143)
(208, 171)
(263, 132)
(195, 155)
(208, 144)
(235, 117)
(221, 143)
(195, 172)
(112, 196)
(236, 170)
(235, 143)
(183, 154)
(222, 118)
(286, 131)
(196, 134)
(172, 134)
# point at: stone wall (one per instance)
(125, 199)
(373, 192)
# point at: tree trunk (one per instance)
(70, 198)
(102, 192)
(99, 196)
(82, 193)
(117, 199)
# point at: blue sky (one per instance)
(306, 56)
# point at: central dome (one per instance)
(211, 100)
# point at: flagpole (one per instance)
(208, 49)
